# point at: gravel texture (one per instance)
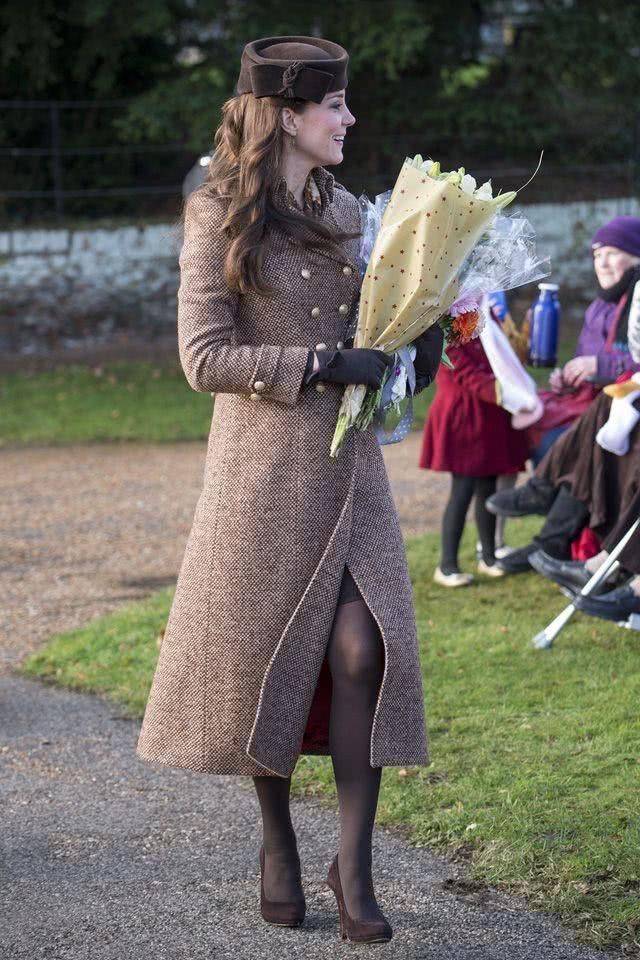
(105, 857)
(87, 527)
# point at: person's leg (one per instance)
(281, 862)
(564, 522)
(453, 521)
(356, 660)
(485, 521)
(504, 482)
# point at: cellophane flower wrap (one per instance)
(432, 246)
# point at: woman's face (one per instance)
(610, 263)
(321, 128)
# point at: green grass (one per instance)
(113, 401)
(535, 762)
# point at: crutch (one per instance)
(545, 638)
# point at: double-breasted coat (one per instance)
(245, 642)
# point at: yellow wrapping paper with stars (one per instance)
(428, 229)
(430, 225)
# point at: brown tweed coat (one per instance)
(277, 520)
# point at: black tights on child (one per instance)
(463, 489)
(356, 659)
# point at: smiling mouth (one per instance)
(339, 139)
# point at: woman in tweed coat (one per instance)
(292, 627)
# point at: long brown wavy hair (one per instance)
(245, 167)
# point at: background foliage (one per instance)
(483, 82)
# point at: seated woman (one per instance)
(578, 481)
(602, 353)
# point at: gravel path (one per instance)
(87, 527)
(106, 857)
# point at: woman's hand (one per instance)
(556, 380)
(577, 370)
(428, 355)
(359, 365)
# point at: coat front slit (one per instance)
(241, 684)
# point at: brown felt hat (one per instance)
(304, 67)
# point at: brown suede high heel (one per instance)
(284, 913)
(359, 931)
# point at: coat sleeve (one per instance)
(471, 377)
(211, 358)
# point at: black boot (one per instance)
(535, 496)
(570, 574)
(616, 605)
(518, 560)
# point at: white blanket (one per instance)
(519, 391)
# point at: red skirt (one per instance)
(465, 432)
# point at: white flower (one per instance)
(485, 192)
(468, 183)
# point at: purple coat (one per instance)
(598, 320)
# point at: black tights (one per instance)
(356, 659)
(463, 488)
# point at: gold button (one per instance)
(320, 386)
(256, 396)
(321, 346)
(315, 312)
(339, 345)
(347, 271)
(259, 385)
(343, 308)
(305, 273)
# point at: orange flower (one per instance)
(464, 326)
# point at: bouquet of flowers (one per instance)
(432, 246)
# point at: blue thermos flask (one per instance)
(545, 321)
(498, 304)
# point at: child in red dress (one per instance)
(468, 434)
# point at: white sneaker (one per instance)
(490, 570)
(501, 552)
(452, 579)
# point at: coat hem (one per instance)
(330, 542)
(198, 767)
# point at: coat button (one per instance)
(321, 346)
(259, 385)
(320, 386)
(315, 312)
(339, 345)
(343, 308)
(305, 273)
(347, 270)
(256, 396)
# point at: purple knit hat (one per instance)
(621, 232)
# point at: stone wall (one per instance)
(61, 289)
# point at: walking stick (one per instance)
(544, 639)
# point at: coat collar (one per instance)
(318, 192)
(320, 183)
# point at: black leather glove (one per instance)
(428, 355)
(359, 365)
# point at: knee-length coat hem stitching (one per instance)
(214, 542)
(384, 675)
(292, 618)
